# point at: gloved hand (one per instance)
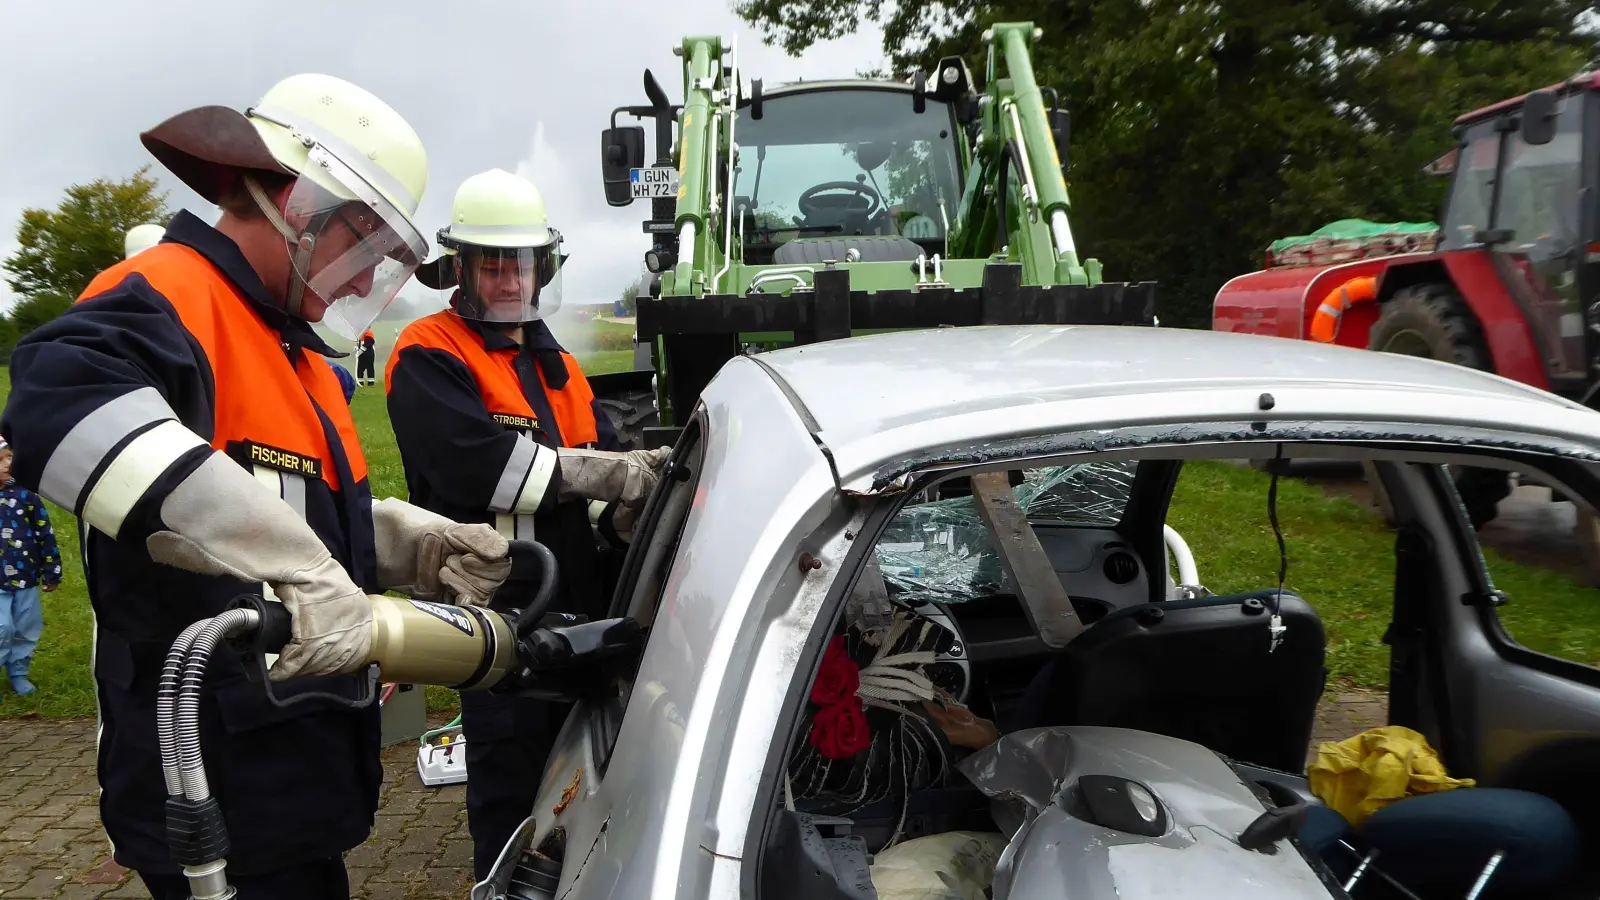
(614, 522)
(222, 521)
(423, 554)
(627, 478)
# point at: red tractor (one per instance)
(1507, 283)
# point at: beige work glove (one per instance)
(627, 478)
(426, 555)
(222, 521)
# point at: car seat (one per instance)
(1202, 670)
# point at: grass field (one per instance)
(1341, 560)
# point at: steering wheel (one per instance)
(840, 198)
(952, 669)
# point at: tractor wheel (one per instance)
(1433, 321)
(629, 402)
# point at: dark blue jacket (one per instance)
(28, 552)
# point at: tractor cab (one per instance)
(813, 211)
(1508, 281)
(832, 167)
(1522, 192)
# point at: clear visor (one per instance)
(363, 249)
(508, 284)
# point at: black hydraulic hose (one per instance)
(1012, 158)
(528, 619)
(166, 700)
(191, 767)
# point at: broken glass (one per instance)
(942, 552)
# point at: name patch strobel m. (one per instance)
(523, 422)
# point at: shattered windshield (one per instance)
(942, 552)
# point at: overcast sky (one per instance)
(524, 85)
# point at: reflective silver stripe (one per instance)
(274, 481)
(539, 475)
(523, 454)
(524, 528)
(294, 492)
(81, 451)
(131, 473)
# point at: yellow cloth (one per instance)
(1360, 775)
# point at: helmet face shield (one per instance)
(362, 248)
(506, 285)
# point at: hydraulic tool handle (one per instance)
(270, 636)
(532, 561)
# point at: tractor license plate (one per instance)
(655, 182)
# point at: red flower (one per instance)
(837, 679)
(840, 731)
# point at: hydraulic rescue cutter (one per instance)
(514, 646)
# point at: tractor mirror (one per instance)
(1061, 131)
(1539, 117)
(621, 151)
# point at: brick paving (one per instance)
(51, 845)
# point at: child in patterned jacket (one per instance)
(31, 562)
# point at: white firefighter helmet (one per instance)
(358, 173)
(501, 251)
(141, 238)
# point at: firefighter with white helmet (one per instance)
(180, 409)
(496, 423)
(140, 238)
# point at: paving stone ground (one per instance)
(51, 845)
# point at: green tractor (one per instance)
(820, 210)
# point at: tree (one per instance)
(1203, 131)
(61, 251)
(630, 299)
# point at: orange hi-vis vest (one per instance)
(498, 383)
(504, 396)
(264, 413)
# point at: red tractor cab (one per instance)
(1508, 283)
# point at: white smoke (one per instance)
(604, 254)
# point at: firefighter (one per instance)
(496, 423)
(181, 410)
(366, 359)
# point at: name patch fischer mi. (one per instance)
(282, 460)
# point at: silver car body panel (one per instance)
(1055, 852)
(765, 488)
(794, 437)
(880, 398)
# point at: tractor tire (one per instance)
(630, 404)
(1433, 321)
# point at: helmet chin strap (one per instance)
(304, 245)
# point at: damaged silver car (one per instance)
(920, 625)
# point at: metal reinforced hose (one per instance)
(166, 700)
(191, 769)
